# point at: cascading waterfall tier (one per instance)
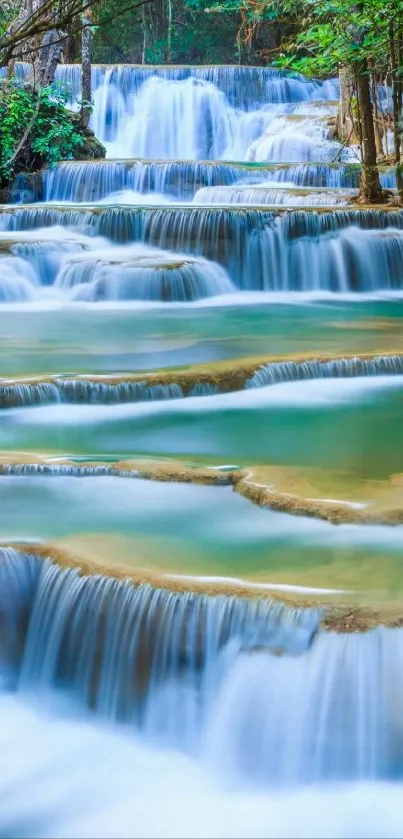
(243, 86)
(341, 368)
(292, 138)
(90, 269)
(222, 111)
(32, 260)
(178, 179)
(211, 674)
(126, 650)
(76, 391)
(271, 250)
(93, 391)
(67, 470)
(260, 194)
(141, 273)
(345, 725)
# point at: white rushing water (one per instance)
(208, 726)
(220, 112)
(322, 392)
(71, 777)
(181, 248)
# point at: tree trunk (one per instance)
(344, 123)
(396, 93)
(18, 52)
(144, 27)
(169, 34)
(370, 185)
(47, 58)
(86, 39)
(395, 58)
(47, 50)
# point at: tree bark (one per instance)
(370, 185)
(344, 123)
(86, 39)
(346, 127)
(144, 27)
(48, 57)
(169, 34)
(395, 58)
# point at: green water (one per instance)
(191, 529)
(101, 340)
(354, 426)
(357, 429)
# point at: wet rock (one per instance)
(92, 148)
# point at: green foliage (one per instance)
(196, 38)
(34, 128)
(318, 36)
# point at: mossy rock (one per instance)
(92, 148)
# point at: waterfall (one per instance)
(206, 198)
(209, 673)
(89, 182)
(221, 111)
(292, 139)
(353, 260)
(141, 273)
(343, 368)
(125, 649)
(66, 470)
(14, 395)
(75, 391)
(17, 280)
(343, 251)
(18, 582)
(262, 194)
(333, 713)
(243, 86)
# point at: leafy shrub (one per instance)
(35, 128)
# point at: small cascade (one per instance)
(44, 250)
(204, 389)
(87, 391)
(294, 139)
(16, 395)
(32, 218)
(180, 180)
(208, 674)
(93, 181)
(346, 723)
(141, 273)
(262, 249)
(66, 470)
(134, 653)
(263, 194)
(18, 581)
(17, 280)
(75, 391)
(342, 368)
